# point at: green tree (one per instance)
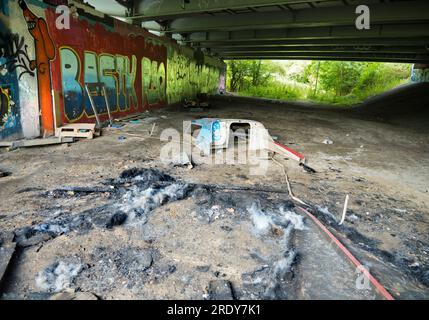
(245, 73)
(238, 70)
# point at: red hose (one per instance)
(352, 258)
(300, 156)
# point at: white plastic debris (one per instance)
(328, 141)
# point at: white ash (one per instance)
(263, 221)
(58, 276)
(353, 217)
(325, 210)
(138, 203)
(275, 280)
(51, 228)
(295, 219)
(283, 266)
(282, 272)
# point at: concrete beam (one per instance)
(339, 58)
(392, 31)
(383, 13)
(323, 49)
(166, 10)
(353, 56)
(424, 42)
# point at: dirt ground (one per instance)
(176, 254)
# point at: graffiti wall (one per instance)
(19, 114)
(188, 75)
(46, 72)
(420, 73)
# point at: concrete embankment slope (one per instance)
(409, 99)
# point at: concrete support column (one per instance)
(420, 73)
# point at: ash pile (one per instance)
(129, 202)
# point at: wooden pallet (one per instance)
(77, 130)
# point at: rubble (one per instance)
(328, 141)
(221, 290)
(68, 296)
(4, 174)
(7, 250)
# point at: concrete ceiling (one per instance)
(288, 29)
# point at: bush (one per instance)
(274, 90)
(333, 82)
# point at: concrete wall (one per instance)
(44, 69)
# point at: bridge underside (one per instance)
(291, 29)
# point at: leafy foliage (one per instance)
(323, 81)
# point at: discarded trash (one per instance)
(37, 142)
(117, 220)
(328, 141)
(77, 130)
(199, 103)
(307, 168)
(69, 296)
(4, 174)
(77, 191)
(135, 121)
(122, 138)
(150, 119)
(213, 133)
(346, 203)
(181, 160)
(203, 268)
(221, 290)
(335, 170)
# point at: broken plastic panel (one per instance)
(213, 133)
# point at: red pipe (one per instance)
(351, 257)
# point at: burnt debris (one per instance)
(4, 174)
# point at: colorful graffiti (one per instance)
(14, 52)
(420, 75)
(9, 102)
(186, 78)
(118, 73)
(13, 59)
(131, 65)
(138, 69)
(4, 7)
(45, 53)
